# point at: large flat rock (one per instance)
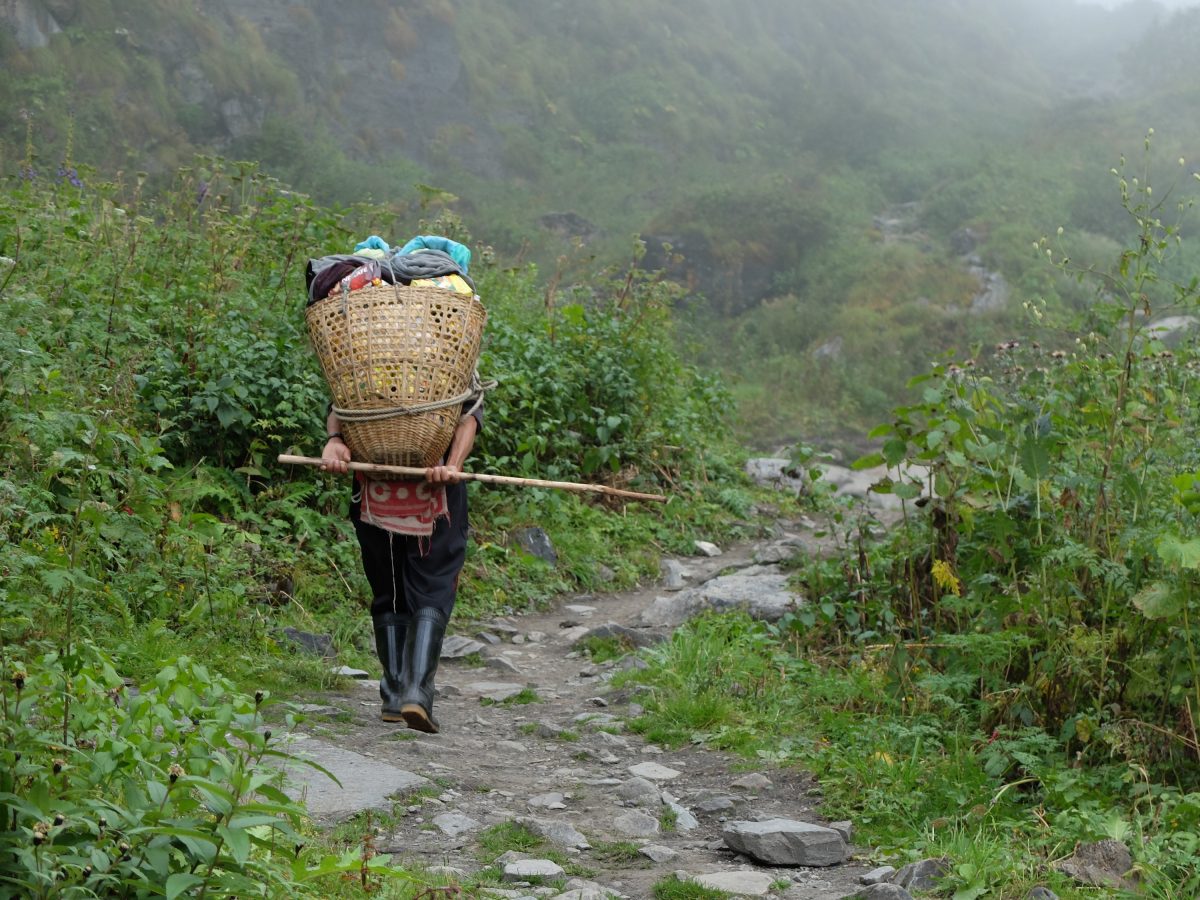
(365, 783)
(760, 590)
(785, 842)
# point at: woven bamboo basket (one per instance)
(399, 362)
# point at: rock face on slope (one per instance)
(388, 81)
(406, 87)
(31, 23)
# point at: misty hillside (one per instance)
(603, 110)
(764, 142)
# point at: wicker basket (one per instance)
(399, 362)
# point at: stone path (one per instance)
(566, 768)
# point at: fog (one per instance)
(1169, 4)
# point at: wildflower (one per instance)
(944, 578)
(71, 174)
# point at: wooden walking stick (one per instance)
(413, 472)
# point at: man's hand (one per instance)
(335, 456)
(442, 474)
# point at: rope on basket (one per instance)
(477, 390)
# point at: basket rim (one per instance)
(398, 289)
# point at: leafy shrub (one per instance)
(1057, 563)
(595, 386)
(151, 366)
(104, 792)
(236, 392)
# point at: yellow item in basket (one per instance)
(446, 282)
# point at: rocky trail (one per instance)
(617, 813)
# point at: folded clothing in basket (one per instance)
(460, 253)
(423, 257)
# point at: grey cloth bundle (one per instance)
(323, 274)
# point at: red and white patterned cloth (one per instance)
(403, 507)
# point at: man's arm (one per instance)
(336, 454)
(460, 449)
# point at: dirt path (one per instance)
(565, 766)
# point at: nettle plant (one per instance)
(176, 790)
(592, 385)
(1058, 557)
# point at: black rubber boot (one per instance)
(421, 653)
(391, 632)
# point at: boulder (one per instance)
(760, 590)
(1101, 864)
(785, 842)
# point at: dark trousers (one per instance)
(407, 573)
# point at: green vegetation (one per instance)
(605, 649)
(762, 171)
(668, 819)
(674, 889)
(1015, 668)
(152, 365)
(521, 698)
(619, 852)
(499, 839)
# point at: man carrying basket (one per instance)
(375, 345)
(413, 578)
